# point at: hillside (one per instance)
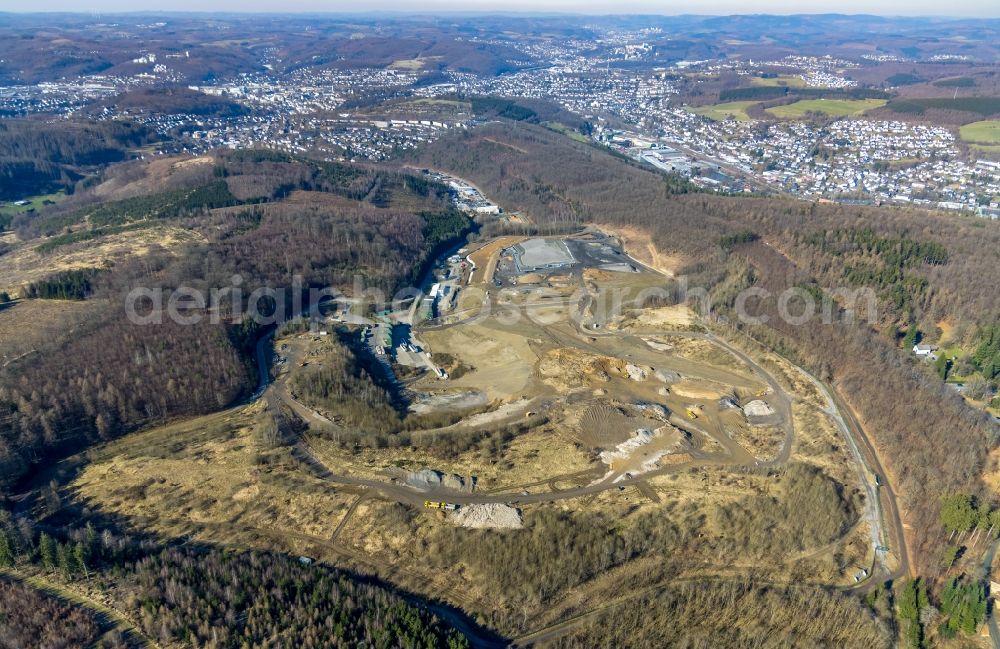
(344, 222)
(555, 180)
(39, 156)
(170, 101)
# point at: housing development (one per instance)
(844, 157)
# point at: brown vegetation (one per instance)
(30, 619)
(559, 180)
(707, 614)
(116, 376)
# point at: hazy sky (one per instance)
(884, 7)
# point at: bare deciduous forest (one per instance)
(708, 614)
(111, 376)
(30, 619)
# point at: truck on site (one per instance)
(430, 504)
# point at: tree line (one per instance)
(205, 597)
(74, 284)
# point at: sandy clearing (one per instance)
(679, 315)
(193, 162)
(502, 361)
(699, 390)
(485, 258)
(639, 245)
(25, 265)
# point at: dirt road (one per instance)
(882, 512)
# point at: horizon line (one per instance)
(481, 13)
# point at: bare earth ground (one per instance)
(26, 325)
(211, 479)
(641, 246)
(25, 265)
(485, 258)
(501, 360)
(205, 475)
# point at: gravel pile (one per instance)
(424, 480)
(758, 408)
(487, 516)
(429, 480)
(635, 372)
(667, 376)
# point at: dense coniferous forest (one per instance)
(204, 597)
(163, 205)
(987, 355)
(555, 180)
(67, 285)
(40, 157)
(250, 599)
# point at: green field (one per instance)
(8, 208)
(721, 112)
(830, 107)
(985, 132)
(788, 80)
(571, 133)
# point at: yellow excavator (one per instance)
(430, 504)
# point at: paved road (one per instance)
(887, 497)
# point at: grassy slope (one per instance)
(720, 112)
(831, 107)
(984, 132)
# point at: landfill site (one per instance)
(544, 387)
(562, 340)
(553, 337)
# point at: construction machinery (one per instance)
(692, 413)
(430, 504)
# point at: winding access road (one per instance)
(880, 502)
